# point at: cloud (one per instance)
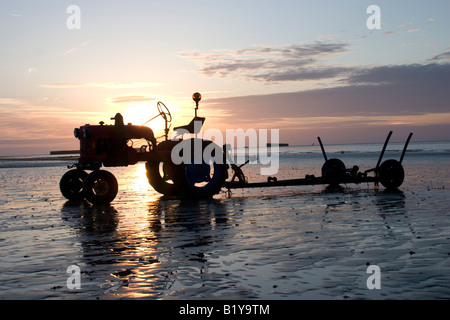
(84, 44)
(271, 64)
(442, 57)
(385, 94)
(413, 30)
(432, 74)
(295, 63)
(108, 85)
(69, 51)
(358, 96)
(11, 102)
(130, 99)
(300, 74)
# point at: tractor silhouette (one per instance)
(111, 146)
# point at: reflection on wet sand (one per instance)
(175, 215)
(313, 244)
(390, 202)
(87, 219)
(120, 252)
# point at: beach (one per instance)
(304, 242)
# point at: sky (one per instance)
(307, 68)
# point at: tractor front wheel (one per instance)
(71, 184)
(100, 187)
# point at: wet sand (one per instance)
(280, 243)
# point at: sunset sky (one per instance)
(307, 68)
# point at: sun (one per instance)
(145, 114)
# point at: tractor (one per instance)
(112, 146)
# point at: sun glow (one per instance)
(142, 114)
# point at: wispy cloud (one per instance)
(69, 51)
(304, 62)
(270, 64)
(10, 102)
(443, 57)
(427, 75)
(108, 85)
(130, 99)
(32, 70)
(84, 44)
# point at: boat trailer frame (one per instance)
(389, 173)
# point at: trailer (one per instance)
(390, 173)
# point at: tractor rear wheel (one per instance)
(205, 178)
(71, 184)
(160, 172)
(200, 180)
(100, 187)
(160, 176)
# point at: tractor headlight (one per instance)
(86, 133)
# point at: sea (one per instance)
(281, 243)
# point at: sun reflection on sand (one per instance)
(134, 185)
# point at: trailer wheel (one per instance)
(333, 169)
(160, 177)
(391, 174)
(100, 187)
(71, 184)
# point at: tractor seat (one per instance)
(191, 127)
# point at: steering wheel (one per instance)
(164, 111)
